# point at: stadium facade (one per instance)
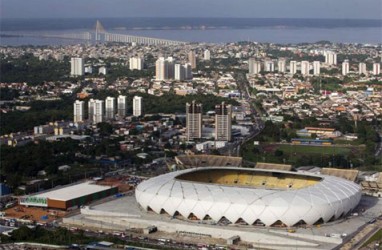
(249, 196)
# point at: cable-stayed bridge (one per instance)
(101, 35)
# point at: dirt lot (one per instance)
(120, 182)
(33, 213)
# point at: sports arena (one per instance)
(249, 196)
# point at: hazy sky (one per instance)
(369, 9)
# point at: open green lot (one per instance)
(303, 149)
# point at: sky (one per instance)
(343, 9)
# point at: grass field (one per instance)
(303, 149)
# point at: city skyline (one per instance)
(341, 9)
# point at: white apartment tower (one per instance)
(305, 68)
(182, 72)
(121, 106)
(91, 104)
(161, 68)
(98, 111)
(136, 63)
(330, 58)
(254, 66)
(316, 68)
(281, 65)
(78, 111)
(223, 122)
(187, 71)
(345, 67)
(292, 67)
(362, 68)
(207, 55)
(192, 59)
(137, 106)
(110, 108)
(269, 66)
(193, 121)
(77, 66)
(376, 69)
(179, 72)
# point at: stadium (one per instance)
(249, 196)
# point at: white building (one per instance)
(281, 65)
(121, 106)
(78, 111)
(98, 111)
(89, 69)
(136, 63)
(254, 66)
(77, 66)
(223, 122)
(164, 69)
(207, 55)
(362, 68)
(305, 68)
(137, 106)
(345, 67)
(110, 108)
(293, 67)
(91, 104)
(269, 66)
(102, 70)
(316, 68)
(182, 72)
(179, 72)
(330, 58)
(376, 69)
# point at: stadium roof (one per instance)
(73, 192)
(348, 174)
(328, 199)
(186, 161)
(284, 167)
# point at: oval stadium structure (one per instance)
(249, 196)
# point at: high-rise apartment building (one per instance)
(292, 67)
(376, 69)
(91, 109)
(179, 72)
(136, 63)
(305, 68)
(281, 65)
(77, 66)
(137, 106)
(254, 66)
(194, 113)
(316, 68)
(182, 72)
(207, 55)
(345, 67)
(78, 111)
(330, 58)
(98, 111)
(192, 59)
(110, 108)
(164, 69)
(362, 68)
(121, 106)
(187, 71)
(161, 69)
(269, 66)
(223, 122)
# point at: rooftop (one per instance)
(73, 192)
